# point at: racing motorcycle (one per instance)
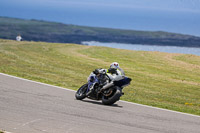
(101, 87)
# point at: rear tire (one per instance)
(115, 97)
(81, 92)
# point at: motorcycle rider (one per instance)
(115, 70)
(114, 73)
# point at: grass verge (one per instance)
(170, 81)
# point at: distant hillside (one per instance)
(57, 32)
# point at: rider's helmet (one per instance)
(114, 65)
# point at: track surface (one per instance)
(28, 107)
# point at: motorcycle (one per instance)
(100, 87)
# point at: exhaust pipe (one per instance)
(107, 86)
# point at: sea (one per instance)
(143, 47)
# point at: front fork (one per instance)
(90, 88)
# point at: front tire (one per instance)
(81, 92)
(114, 98)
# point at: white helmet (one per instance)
(114, 65)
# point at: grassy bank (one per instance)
(170, 81)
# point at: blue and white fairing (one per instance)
(92, 80)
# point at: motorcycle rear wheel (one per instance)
(113, 98)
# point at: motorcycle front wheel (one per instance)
(81, 92)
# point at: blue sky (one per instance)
(180, 16)
(177, 5)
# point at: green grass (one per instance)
(170, 81)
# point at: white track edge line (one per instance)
(119, 100)
(148, 106)
(36, 82)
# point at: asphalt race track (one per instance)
(30, 107)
